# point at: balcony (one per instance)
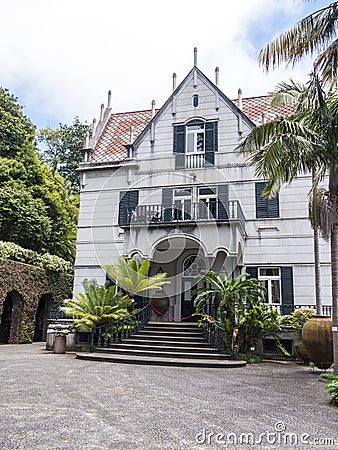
(194, 161)
(157, 215)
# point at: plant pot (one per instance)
(160, 303)
(318, 340)
(302, 353)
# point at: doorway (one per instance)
(42, 314)
(192, 268)
(6, 319)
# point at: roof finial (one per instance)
(174, 81)
(217, 76)
(240, 99)
(195, 56)
(101, 113)
(109, 99)
(152, 108)
(131, 135)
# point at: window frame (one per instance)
(270, 279)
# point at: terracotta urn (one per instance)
(318, 341)
(160, 302)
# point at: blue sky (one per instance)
(60, 58)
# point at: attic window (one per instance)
(195, 101)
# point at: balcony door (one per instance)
(207, 203)
(183, 204)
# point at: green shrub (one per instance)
(332, 387)
(329, 376)
(9, 250)
(250, 358)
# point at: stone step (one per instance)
(173, 324)
(174, 333)
(173, 329)
(164, 348)
(155, 337)
(147, 360)
(165, 342)
(160, 354)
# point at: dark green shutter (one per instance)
(252, 271)
(265, 207)
(211, 141)
(167, 204)
(179, 146)
(179, 160)
(128, 202)
(179, 139)
(287, 290)
(211, 136)
(223, 202)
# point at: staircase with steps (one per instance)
(165, 344)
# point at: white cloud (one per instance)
(61, 57)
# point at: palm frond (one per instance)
(312, 35)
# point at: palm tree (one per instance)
(96, 306)
(132, 277)
(302, 143)
(315, 35)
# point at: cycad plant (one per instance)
(132, 277)
(96, 306)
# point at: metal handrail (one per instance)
(120, 329)
(198, 211)
(217, 337)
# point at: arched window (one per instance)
(193, 266)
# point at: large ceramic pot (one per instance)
(318, 341)
(160, 303)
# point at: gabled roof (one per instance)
(115, 135)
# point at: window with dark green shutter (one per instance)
(195, 144)
(127, 206)
(265, 207)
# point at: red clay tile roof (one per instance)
(110, 146)
(258, 107)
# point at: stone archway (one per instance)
(10, 318)
(41, 318)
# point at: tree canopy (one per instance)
(62, 149)
(37, 209)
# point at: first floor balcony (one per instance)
(180, 213)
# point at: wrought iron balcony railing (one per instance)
(187, 212)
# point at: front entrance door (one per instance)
(193, 267)
(187, 301)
